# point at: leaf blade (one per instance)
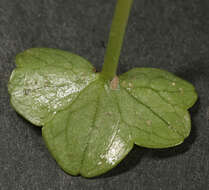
(46, 85)
(162, 123)
(101, 145)
(93, 123)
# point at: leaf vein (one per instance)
(90, 133)
(156, 114)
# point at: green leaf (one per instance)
(89, 123)
(154, 103)
(46, 81)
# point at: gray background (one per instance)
(167, 34)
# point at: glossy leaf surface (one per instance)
(90, 124)
(46, 81)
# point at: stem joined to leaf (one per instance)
(116, 37)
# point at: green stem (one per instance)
(116, 37)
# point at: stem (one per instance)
(116, 37)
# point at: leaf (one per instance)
(46, 81)
(154, 103)
(90, 124)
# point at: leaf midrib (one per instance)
(91, 131)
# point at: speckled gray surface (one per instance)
(172, 35)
